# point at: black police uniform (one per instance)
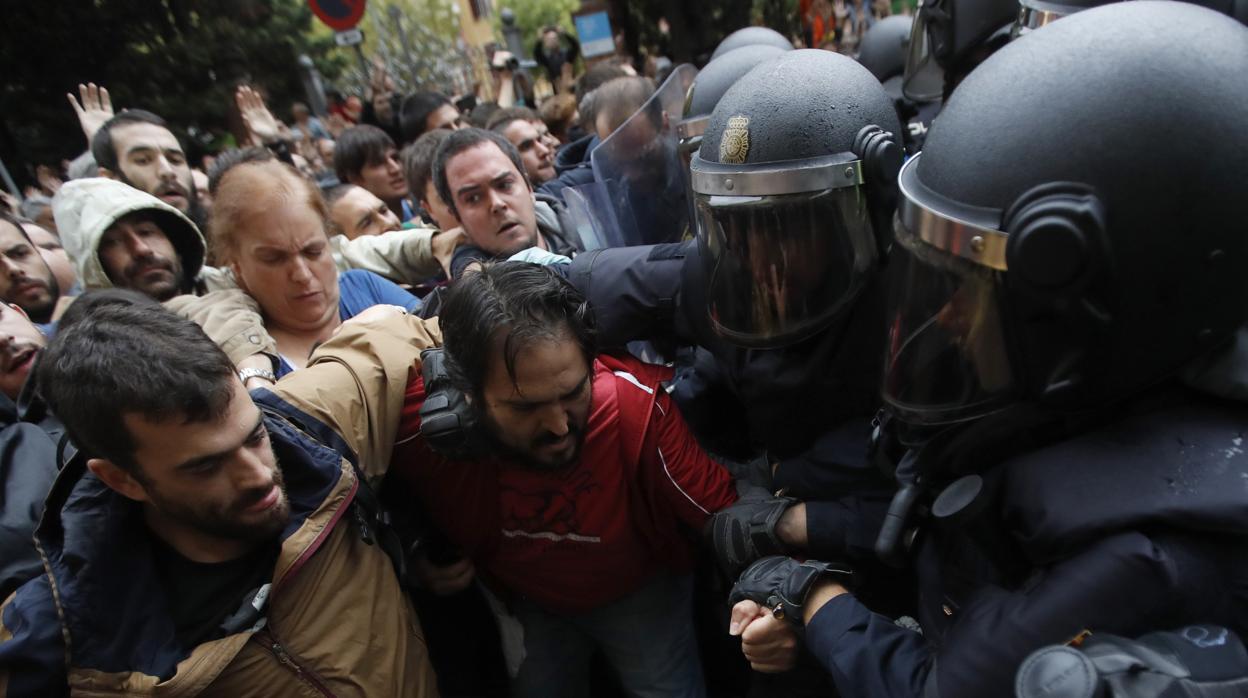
(797, 379)
(1131, 527)
(1047, 290)
(808, 405)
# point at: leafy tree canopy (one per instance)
(178, 58)
(532, 15)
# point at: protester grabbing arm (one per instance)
(679, 471)
(356, 381)
(231, 318)
(404, 256)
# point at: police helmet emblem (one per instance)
(735, 144)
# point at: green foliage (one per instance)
(178, 58)
(781, 15)
(532, 15)
(432, 58)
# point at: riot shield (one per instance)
(639, 179)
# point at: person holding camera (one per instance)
(557, 52)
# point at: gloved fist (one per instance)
(782, 584)
(746, 531)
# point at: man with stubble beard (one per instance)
(580, 500)
(137, 148)
(26, 280)
(207, 541)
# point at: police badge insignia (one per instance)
(735, 144)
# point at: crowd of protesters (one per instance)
(366, 406)
(322, 231)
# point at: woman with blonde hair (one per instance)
(270, 226)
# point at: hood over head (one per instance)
(85, 208)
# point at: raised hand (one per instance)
(382, 88)
(95, 109)
(259, 121)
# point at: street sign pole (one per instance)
(359, 53)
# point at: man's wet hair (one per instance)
(119, 352)
(359, 147)
(462, 140)
(416, 110)
(509, 305)
(102, 144)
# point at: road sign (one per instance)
(339, 15)
(350, 37)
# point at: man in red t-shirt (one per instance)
(581, 514)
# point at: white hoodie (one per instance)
(86, 208)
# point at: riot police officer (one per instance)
(1061, 278)
(781, 297)
(709, 86)
(781, 293)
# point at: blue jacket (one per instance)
(30, 439)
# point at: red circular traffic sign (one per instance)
(339, 15)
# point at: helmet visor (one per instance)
(923, 80)
(947, 358)
(779, 267)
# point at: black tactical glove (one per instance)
(447, 421)
(782, 584)
(746, 531)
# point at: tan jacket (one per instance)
(338, 622)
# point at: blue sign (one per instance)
(594, 32)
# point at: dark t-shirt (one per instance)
(202, 595)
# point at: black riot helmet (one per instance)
(1068, 257)
(750, 36)
(949, 38)
(711, 84)
(1037, 13)
(795, 183)
(883, 51)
